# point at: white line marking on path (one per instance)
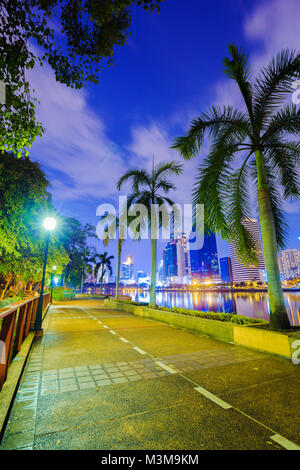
(112, 332)
(139, 350)
(100, 322)
(124, 340)
(167, 368)
(284, 442)
(104, 326)
(213, 397)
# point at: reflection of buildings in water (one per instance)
(229, 304)
(254, 304)
(293, 307)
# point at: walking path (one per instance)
(103, 379)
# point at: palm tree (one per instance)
(249, 146)
(146, 187)
(102, 265)
(110, 235)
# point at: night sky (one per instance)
(169, 71)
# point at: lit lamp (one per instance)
(49, 224)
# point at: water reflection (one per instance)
(251, 304)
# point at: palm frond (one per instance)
(274, 83)
(238, 210)
(167, 169)
(137, 176)
(280, 222)
(283, 159)
(211, 183)
(238, 69)
(215, 121)
(285, 122)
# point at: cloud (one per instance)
(75, 146)
(154, 141)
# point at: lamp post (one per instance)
(49, 224)
(52, 274)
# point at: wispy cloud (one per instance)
(75, 143)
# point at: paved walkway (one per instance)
(103, 379)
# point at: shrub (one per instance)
(220, 316)
(62, 293)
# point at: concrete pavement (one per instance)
(103, 379)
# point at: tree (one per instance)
(146, 189)
(24, 202)
(112, 224)
(259, 139)
(102, 265)
(74, 237)
(76, 38)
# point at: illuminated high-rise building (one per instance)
(204, 257)
(127, 270)
(289, 263)
(176, 260)
(240, 271)
(226, 269)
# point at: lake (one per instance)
(251, 304)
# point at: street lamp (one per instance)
(52, 274)
(49, 224)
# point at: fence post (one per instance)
(20, 329)
(7, 336)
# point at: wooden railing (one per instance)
(16, 322)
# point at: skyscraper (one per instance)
(289, 263)
(240, 271)
(176, 261)
(226, 269)
(127, 271)
(204, 260)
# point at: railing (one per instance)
(16, 322)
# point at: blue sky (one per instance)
(169, 71)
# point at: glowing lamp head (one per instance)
(54, 268)
(49, 223)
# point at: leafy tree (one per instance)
(260, 141)
(76, 38)
(101, 266)
(24, 202)
(75, 238)
(146, 190)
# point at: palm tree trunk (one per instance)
(153, 273)
(278, 314)
(119, 251)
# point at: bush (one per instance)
(131, 302)
(62, 293)
(219, 316)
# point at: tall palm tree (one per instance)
(146, 190)
(113, 223)
(102, 265)
(254, 145)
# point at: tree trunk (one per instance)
(81, 282)
(119, 251)
(6, 286)
(153, 274)
(278, 314)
